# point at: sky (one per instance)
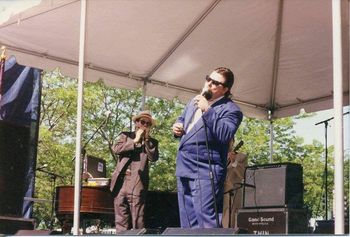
(9, 7)
(307, 129)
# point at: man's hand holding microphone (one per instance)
(201, 101)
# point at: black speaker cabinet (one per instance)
(266, 221)
(14, 164)
(161, 210)
(273, 185)
(327, 227)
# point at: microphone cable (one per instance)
(211, 174)
(198, 177)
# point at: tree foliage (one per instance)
(57, 133)
(57, 136)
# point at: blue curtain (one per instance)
(20, 107)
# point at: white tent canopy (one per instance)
(280, 50)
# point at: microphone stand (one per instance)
(83, 153)
(53, 177)
(232, 193)
(325, 122)
(93, 135)
(83, 150)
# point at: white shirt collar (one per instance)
(213, 101)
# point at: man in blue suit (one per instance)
(207, 125)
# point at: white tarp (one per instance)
(280, 51)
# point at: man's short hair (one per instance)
(229, 78)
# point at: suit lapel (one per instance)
(199, 125)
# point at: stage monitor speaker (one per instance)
(327, 227)
(35, 232)
(142, 231)
(266, 221)
(202, 231)
(161, 210)
(133, 232)
(273, 185)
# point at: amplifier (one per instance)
(94, 167)
(266, 221)
(273, 185)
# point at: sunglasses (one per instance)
(143, 122)
(215, 83)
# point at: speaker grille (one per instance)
(273, 185)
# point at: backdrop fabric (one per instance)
(20, 107)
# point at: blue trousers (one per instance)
(196, 202)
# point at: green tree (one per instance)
(58, 124)
(58, 127)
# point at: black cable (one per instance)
(320, 200)
(199, 182)
(211, 173)
(53, 177)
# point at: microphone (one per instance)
(42, 167)
(239, 145)
(207, 94)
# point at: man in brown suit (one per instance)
(233, 190)
(130, 179)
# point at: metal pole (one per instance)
(326, 169)
(338, 119)
(271, 136)
(77, 182)
(144, 92)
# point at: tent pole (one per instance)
(77, 181)
(144, 93)
(338, 119)
(271, 135)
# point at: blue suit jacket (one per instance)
(222, 121)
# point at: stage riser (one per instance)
(10, 225)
